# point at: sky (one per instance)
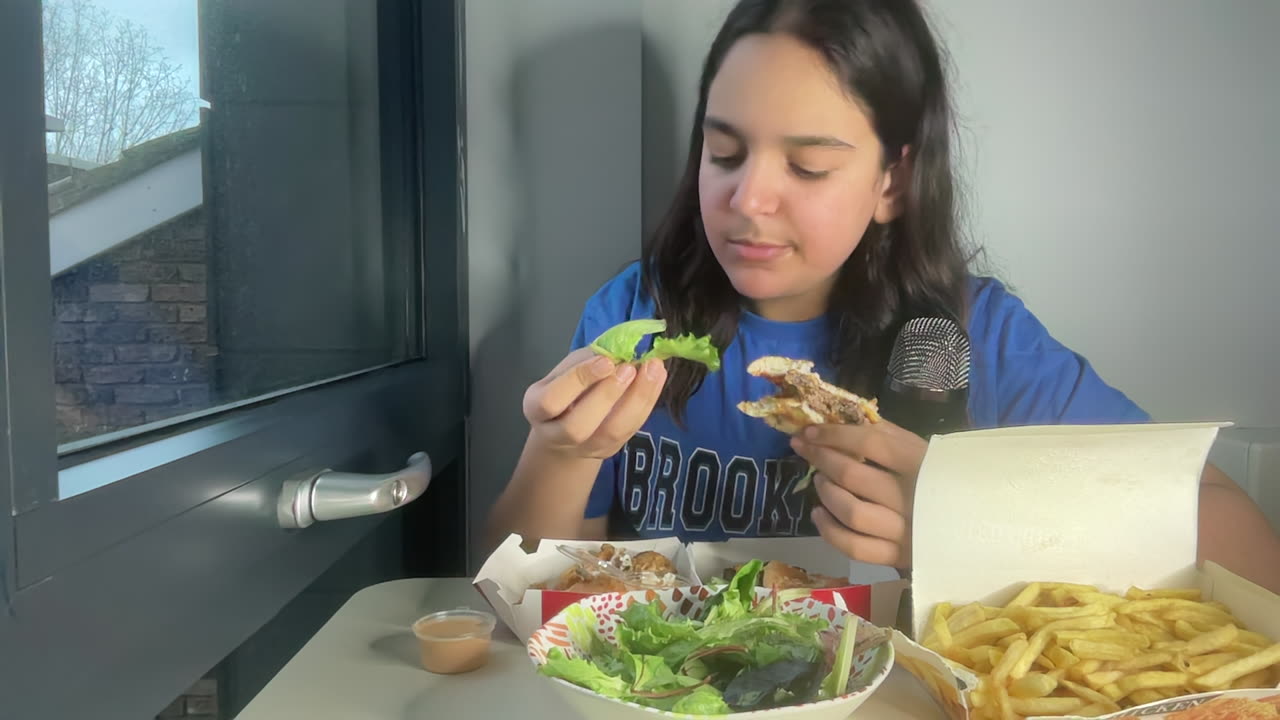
(172, 25)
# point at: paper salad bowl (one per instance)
(869, 668)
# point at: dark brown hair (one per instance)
(887, 59)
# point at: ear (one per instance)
(893, 188)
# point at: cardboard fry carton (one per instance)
(1108, 506)
(1228, 705)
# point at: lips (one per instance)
(756, 251)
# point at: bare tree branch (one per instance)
(109, 81)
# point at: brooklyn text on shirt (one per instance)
(666, 487)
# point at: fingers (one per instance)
(883, 443)
(568, 362)
(548, 398)
(865, 508)
(860, 516)
(582, 421)
(865, 481)
(862, 548)
(593, 406)
(635, 406)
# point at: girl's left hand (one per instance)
(866, 503)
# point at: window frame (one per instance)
(27, 363)
(68, 530)
(109, 553)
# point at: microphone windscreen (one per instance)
(931, 353)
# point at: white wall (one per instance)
(677, 34)
(1121, 161)
(553, 177)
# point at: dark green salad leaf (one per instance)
(752, 688)
(739, 654)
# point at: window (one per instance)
(215, 216)
(254, 278)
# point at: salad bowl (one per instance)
(693, 652)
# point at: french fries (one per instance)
(1064, 649)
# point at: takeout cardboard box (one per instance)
(1111, 506)
(506, 576)
(877, 601)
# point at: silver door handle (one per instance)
(329, 495)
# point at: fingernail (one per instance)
(653, 369)
(797, 443)
(811, 432)
(601, 366)
(626, 373)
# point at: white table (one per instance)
(363, 665)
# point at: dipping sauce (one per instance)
(454, 641)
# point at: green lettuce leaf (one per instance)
(746, 631)
(801, 626)
(715, 583)
(651, 674)
(837, 681)
(688, 347)
(776, 647)
(644, 630)
(582, 628)
(696, 669)
(584, 673)
(782, 597)
(581, 622)
(619, 342)
(706, 700)
(678, 652)
(736, 600)
(652, 682)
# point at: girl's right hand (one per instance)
(588, 406)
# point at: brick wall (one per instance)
(131, 335)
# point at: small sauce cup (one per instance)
(454, 641)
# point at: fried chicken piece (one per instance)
(818, 580)
(598, 584)
(587, 580)
(656, 563)
(782, 576)
(569, 577)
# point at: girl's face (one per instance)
(791, 175)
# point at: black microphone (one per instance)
(926, 387)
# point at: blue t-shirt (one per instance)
(728, 475)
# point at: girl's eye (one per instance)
(805, 174)
(727, 161)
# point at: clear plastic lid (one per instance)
(442, 626)
(615, 568)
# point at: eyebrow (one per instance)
(825, 141)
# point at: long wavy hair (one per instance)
(885, 54)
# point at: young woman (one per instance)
(815, 217)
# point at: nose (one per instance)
(757, 192)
